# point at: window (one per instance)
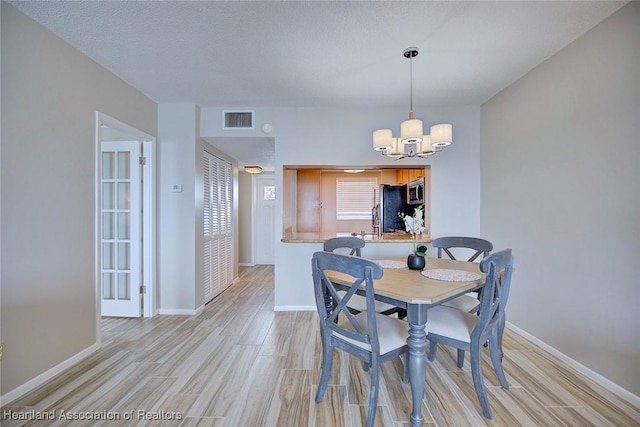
(269, 192)
(355, 197)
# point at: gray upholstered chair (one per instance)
(357, 302)
(369, 336)
(468, 332)
(467, 303)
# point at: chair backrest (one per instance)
(494, 294)
(360, 271)
(353, 243)
(481, 246)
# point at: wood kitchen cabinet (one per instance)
(308, 200)
(405, 176)
(402, 176)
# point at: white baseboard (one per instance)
(294, 308)
(177, 311)
(246, 264)
(596, 377)
(31, 385)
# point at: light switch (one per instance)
(176, 188)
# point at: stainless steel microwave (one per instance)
(416, 192)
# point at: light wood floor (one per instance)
(239, 363)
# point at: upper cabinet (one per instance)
(405, 176)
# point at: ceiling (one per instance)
(318, 54)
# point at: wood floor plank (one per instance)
(251, 407)
(294, 397)
(257, 330)
(239, 363)
(331, 411)
(302, 346)
(278, 339)
(395, 391)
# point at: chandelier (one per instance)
(412, 142)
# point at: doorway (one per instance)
(125, 219)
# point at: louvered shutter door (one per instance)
(218, 225)
(207, 285)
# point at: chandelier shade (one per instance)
(411, 131)
(382, 139)
(425, 147)
(412, 141)
(397, 149)
(441, 135)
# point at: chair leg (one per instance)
(460, 363)
(500, 333)
(478, 381)
(373, 393)
(433, 347)
(405, 368)
(327, 362)
(496, 358)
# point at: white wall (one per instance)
(180, 215)
(50, 94)
(177, 141)
(560, 185)
(316, 136)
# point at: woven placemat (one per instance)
(451, 275)
(391, 263)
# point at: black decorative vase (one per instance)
(415, 262)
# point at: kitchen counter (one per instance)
(369, 238)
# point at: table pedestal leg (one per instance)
(417, 342)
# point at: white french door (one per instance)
(121, 228)
(218, 226)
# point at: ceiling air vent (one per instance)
(238, 120)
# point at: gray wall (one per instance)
(560, 175)
(50, 94)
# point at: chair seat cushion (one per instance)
(358, 302)
(468, 303)
(450, 322)
(392, 333)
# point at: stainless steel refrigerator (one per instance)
(392, 200)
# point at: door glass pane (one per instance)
(124, 195)
(108, 165)
(108, 225)
(124, 171)
(124, 226)
(123, 256)
(108, 286)
(269, 192)
(108, 256)
(108, 195)
(123, 286)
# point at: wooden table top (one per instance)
(412, 287)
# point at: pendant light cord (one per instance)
(411, 85)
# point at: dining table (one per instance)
(417, 293)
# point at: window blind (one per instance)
(355, 198)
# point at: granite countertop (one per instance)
(398, 237)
